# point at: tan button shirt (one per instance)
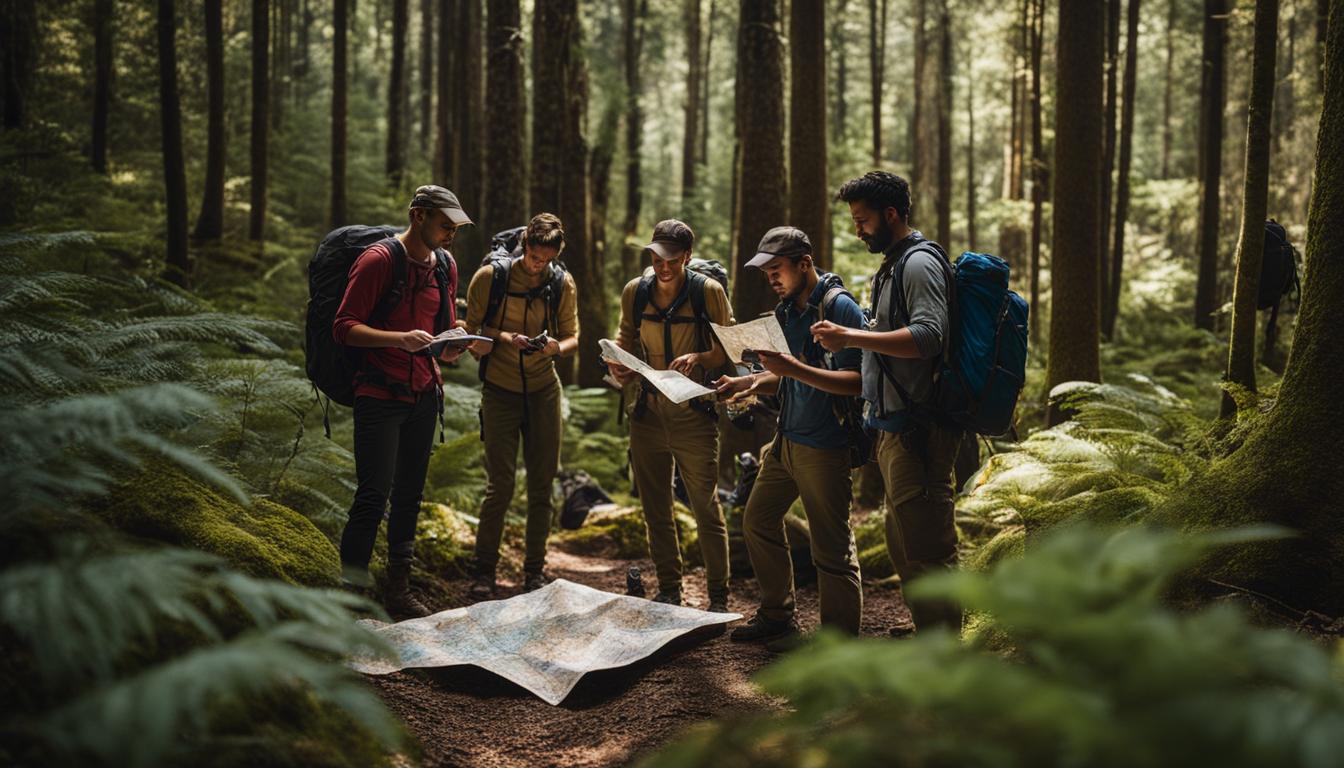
(686, 337)
(518, 314)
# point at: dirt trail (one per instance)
(464, 716)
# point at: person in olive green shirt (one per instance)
(520, 394)
(670, 336)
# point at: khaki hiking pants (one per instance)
(821, 477)
(665, 432)
(501, 427)
(921, 533)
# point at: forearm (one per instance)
(364, 336)
(568, 346)
(831, 382)
(897, 343)
(763, 383)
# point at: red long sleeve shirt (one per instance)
(369, 278)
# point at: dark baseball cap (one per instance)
(434, 196)
(789, 242)
(671, 239)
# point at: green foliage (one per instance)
(1102, 673)
(155, 643)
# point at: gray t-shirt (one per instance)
(924, 285)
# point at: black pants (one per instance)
(392, 443)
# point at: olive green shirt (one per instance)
(518, 314)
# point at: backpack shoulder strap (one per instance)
(499, 285)
(641, 303)
(696, 297)
(898, 280)
(445, 273)
(393, 295)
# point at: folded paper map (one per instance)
(673, 385)
(544, 641)
(761, 334)
(453, 337)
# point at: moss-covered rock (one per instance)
(1010, 542)
(1106, 507)
(620, 533)
(443, 541)
(266, 539)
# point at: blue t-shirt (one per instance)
(808, 416)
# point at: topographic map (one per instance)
(544, 640)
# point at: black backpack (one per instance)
(1278, 267)
(505, 250)
(332, 367)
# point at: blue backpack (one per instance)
(983, 369)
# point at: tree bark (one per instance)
(839, 50)
(1074, 354)
(469, 162)
(1108, 147)
(877, 51)
(443, 108)
(1111, 307)
(102, 81)
(177, 261)
(210, 224)
(1322, 16)
(1038, 168)
(690, 133)
(18, 57)
(505, 190)
(395, 165)
(1212, 99)
(261, 123)
(704, 87)
(1254, 201)
(560, 165)
(760, 129)
(970, 158)
(633, 36)
(809, 191)
(1276, 475)
(426, 84)
(918, 134)
(1167, 86)
(944, 200)
(340, 94)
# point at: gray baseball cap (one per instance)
(789, 242)
(671, 239)
(434, 196)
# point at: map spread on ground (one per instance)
(673, 385)
(544, 640)
(762, 333)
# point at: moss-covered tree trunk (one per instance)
(505, 190)
(1254, 201)
(809, 193)
(1287, 471)
(174, 169)
(340, 94)
(1213, 92)
(1074, 354)
(763, 184)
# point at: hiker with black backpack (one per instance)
(811, 455)
(916, 451)
(665, 317)
(525, 300)
(393, 304)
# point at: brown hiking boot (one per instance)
(668, 596)
(759, 629)
(397, 597)
(718, 600)
(534, 581)
(483, 584)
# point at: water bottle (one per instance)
(634, 583)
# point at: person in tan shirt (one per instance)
(671, 333)
(520, 392)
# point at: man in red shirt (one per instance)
(397, 392)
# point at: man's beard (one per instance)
(880, 240)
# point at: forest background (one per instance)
(169, 167)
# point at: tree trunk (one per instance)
(809, 208)
(1277, 475)
(970, 158)
(18, 57)
(1212, 98)
(1013, 170)
(1038, 174)
(102, 80)
(944, 202)
(839, 50)
(261, 122)
(426, 83)
(505, 191)
(305, 54)
(918, 133)
(396, 97)
(1168, 81)
(210, 224)
(1074, 353)
(469, 162)
(690, 133)
(1254, 201)
(704, 87)
(1108, 148)
(760, 129)
(633, 37)
(177, 261)
(446, 88)
(278, 61)
(1322, 16)
(877, 51)
(560, 165)
(1112, 305)
(340, 93)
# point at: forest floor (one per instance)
(465, 716)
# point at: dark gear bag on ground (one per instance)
(982, 369)
(580, 493)
(848, 409)
(333, 367)
(1278, 277)
(697, 272)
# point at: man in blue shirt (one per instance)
(810, 455)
